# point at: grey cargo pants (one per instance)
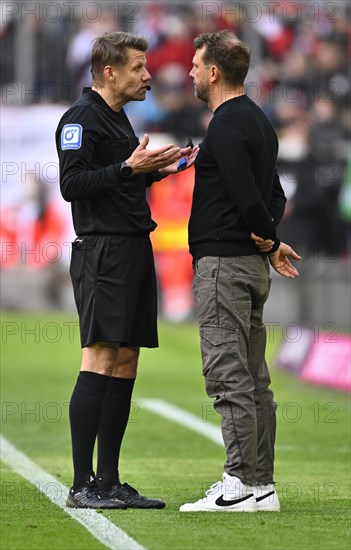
(229, 296)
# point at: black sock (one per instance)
(113, 422)
(84, 414)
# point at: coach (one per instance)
(237, 203)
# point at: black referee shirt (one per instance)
(91, 141)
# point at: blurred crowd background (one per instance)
(299, 75)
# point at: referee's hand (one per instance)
(145, 160)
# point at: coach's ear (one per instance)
(215, 73)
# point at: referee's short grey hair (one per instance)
(111, 49)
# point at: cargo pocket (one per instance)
(219, 350)
(217, 335)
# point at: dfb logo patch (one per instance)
(71, 136)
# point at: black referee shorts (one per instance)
(114, 286)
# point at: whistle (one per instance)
(182, 163)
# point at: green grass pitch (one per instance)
(40, 362)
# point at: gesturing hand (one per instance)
(145, 160)
(189, 153)
(281, 263)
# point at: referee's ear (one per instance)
(109, 73)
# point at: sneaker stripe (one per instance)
(221, 502)
(258, 499)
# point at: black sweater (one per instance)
(102, 201)
(237, 189)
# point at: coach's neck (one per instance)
(221, 92)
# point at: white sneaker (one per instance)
(266, 498)
(228, 495)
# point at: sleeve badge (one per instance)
(71, 136)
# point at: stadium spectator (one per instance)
(311, 158)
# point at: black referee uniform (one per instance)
(112, 267)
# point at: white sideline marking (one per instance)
(212, 432)
(178, 415)
(190, 421)
(100, 527)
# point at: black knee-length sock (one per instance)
(113, 422)
(84, 414)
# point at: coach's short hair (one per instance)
(227, 52)
(111, 49)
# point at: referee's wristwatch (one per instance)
(125, 170)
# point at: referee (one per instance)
(104, 173)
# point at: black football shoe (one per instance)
(89, 496)
(132, 498)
